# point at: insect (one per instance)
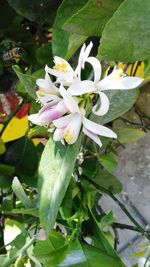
(13, 54)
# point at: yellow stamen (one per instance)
(68, 136)
(39, 93)
(62, 66)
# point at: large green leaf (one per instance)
(91, 19)
(55, 170)
(79, 255)
(35, 10)
(126, 37)
(129, 135)
(61, 44)
(120, 102)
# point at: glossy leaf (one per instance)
(20, 193)
(108, 162)
(55, 170)
(126, 37)
(80, 255)
(91, 19)
(120, 102)
(28, 80)
(129, 135)
(61, 44)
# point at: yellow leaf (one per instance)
(15, 129)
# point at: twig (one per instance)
(119, 203)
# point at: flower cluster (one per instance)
(64, 101)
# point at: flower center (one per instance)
(68, 136)
(62, 66)
(117, 74)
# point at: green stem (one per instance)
(119, 203)
(5, 122)
(21, 251)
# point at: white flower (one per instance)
(68, 127)
(46, 91)
(48, 113)
(115, 80)
(62, 71)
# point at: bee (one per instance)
(13, 54)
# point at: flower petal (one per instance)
(80, 88)
(34, 118)
(119, 84)
(63, 121)
(58, 134)
(92, 136)
(103, 107)
(96, 67)
(98, 129)
(68, 100)
(71, 132)
(46, 85)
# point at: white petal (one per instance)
(34, 118)
(44, 99)
(80, 88)
(104, 105)
(96, 67)
(69, 101)
(46, 85)
(131, 82)
(72, 131)
(98, 129)
(88, 50)
(119, 84)
(58, 134)
(66, 76)
(92, 136)
(63, 121)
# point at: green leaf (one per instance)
(101, 237)
(60, 41)
(107, 220)
(23, 155)
(76, 255)
(129, 135)
(120, 102)
(2, 147)
(6, 169)
(32, 212)
(56, 166)
(34, 10)
(91, 19)
(126, 36)
(28, 80)
(12, 230)
(20, 193)
(108, 181)
(108, 162)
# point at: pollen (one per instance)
(39, 93)
(62, 67)
(68, 136)
(118, 73)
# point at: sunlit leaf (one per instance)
(121, 38)
(55, 170)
